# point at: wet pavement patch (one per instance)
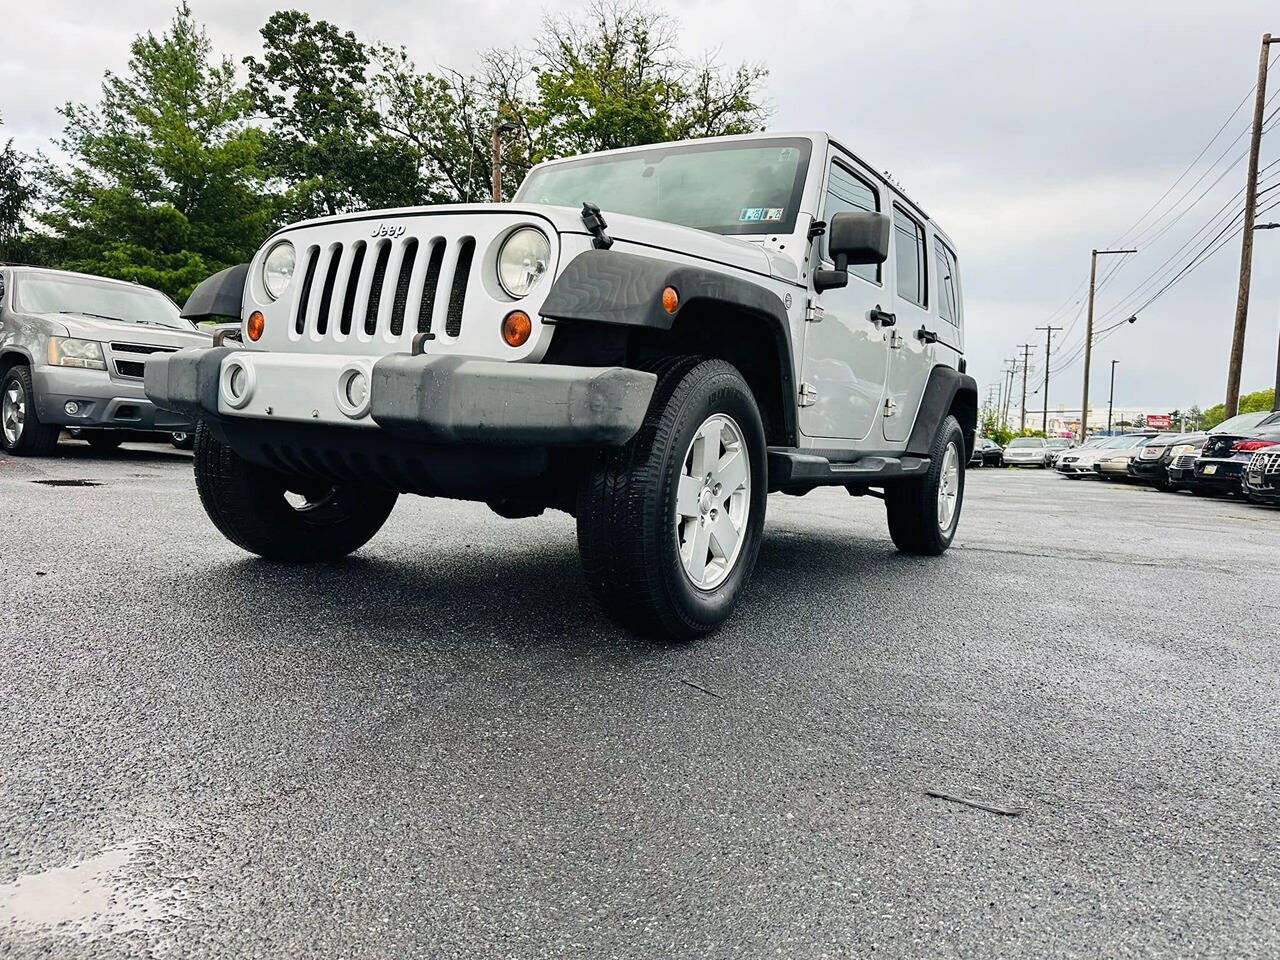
(68, 483)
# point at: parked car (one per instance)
(1078, 461)
(1180, 461)
(1056, 447)
(526, 355)
(1220, 467)
(1113, 463)
(1026, 452)
(1261, 483)
(1151, 463)
(72, 349)
(986, 453)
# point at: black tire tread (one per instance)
(38, 439)
(912, 506)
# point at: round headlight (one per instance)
(277, 269)
(522, 261)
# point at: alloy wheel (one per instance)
(13, 412)
(713, 501)
(948, 488)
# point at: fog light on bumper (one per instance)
(353, 395)
(72, 408)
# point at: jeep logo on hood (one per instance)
(388, 230)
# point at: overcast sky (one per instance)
(1030, 131)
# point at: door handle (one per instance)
(926, 336)
(879, 317)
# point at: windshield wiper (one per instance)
(100, 316)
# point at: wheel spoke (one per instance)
(697, 546)
(687, 492)
(706, 450)
(724, 535)
(732, 473)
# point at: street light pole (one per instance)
(1048, 341)
(1112, 398)
(1088, 339)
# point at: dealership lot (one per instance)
(441, 747)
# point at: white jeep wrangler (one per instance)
(749, 314)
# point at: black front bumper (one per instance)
(1155, 470)
(1262, 486)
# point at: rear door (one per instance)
(845, 350)
(910, 353)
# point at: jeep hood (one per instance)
(639, 231)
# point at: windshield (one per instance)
(736, 187)
(1122, 443)
(64, 293)
(1027, 442)
(1243, 421)
(1057, 443)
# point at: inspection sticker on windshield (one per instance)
(751, 213)
(773, 213)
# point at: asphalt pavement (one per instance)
(442, 748)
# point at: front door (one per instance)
(845, 352)
(910, 346)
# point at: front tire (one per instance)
(278, 517)
(21, 432)
(669, 525)
(924, 512)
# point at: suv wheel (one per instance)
(284, 518)
(924, 512)
(21, 432)
(670, 524)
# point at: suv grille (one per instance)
(134, 369)
(1265, 462)
(370, 287)
(1184, 462)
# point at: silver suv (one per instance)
(746, 315)
(72, 354)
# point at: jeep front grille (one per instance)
(369, 287)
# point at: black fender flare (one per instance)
(221, 295)
(940, 393)
(625, 289)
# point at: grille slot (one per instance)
(326, 293)
(428, 304)
(304, 293)
(353, 282)
(402, 286)
(134, 369)
(375, 287)
(140, 348)
(458, 290)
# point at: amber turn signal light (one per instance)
(255, 325)
(670, 299)
(516, 328)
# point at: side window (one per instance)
(908, 251)
(1, 286)
(948, 289)
(848, 191)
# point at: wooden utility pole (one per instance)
(1008, 390)
(1088, 339)
(1231, 405)
(1111, 398)
(1048, 341)
(1026, 362)
(499, 128)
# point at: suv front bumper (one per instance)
(445, 399)
(101, 402)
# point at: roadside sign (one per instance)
(1159, 421)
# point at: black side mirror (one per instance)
(853, 236)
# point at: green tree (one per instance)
(17, 191)
(1257, 402)
(164, 185)
(326, 139)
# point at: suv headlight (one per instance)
(277, 269)
(523, 261)
(70, 352)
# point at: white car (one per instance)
(1026, 452)
(747, 314)
(1078, 461)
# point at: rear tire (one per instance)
(924, 512)
(104, 441)
(664, 548)
(250, 505)
(21, 432)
